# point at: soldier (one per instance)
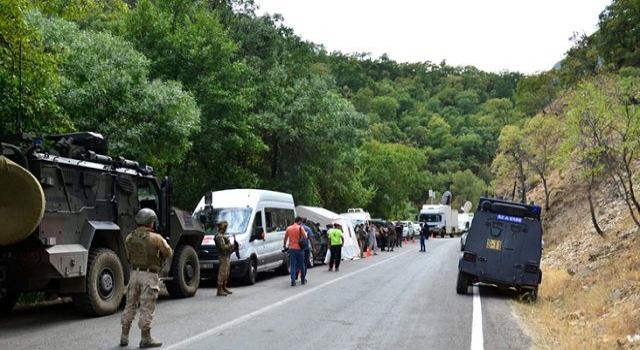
(391, 239)
(398, 232)
(145, 250)
(225, 248)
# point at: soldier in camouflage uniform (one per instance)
(391, 238)
(225, 248)
(145, 250)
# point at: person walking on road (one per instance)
(145, 251)
(292, 235)
(336, 240)
(424, 234)
(307, 251)
(225, 248)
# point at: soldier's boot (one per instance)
(224, 288)
(221, 292)
(147, 341)
(124, 336)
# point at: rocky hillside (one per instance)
(590, 292)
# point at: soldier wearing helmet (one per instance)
(225, 248)
(145, 250)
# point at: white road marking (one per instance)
(477, 340)
(215, 330)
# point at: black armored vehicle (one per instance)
(65, 213)
(503, 248)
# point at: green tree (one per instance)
(535, 93)
(392, 170)
(465, 186)
(104, 87)
(510, 160)
(543, 136)
(618, 37)
(28, 76)
(187, 42)
(605, 121)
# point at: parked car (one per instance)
(320, 240)
(408, 229)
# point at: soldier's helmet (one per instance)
(145, 216)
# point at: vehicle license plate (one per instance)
(206, 265)
(494, 244)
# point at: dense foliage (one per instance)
(216, 96)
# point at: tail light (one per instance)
(531, 268)
(468, 256)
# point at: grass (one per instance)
(594, 307)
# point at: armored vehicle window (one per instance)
(148, 197)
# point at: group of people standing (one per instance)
(299, 241)
(386, 237)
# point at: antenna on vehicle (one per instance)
(18, 116)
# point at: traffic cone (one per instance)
(413, 240)
(368, 252)
(405, 240)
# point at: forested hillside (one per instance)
(215, 96)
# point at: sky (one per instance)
(526, 36)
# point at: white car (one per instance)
(408, 229)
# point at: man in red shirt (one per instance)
(293, 234)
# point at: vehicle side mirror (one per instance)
(208, 198)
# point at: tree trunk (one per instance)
(547, 193)
(592, 211)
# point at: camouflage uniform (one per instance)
(143, 248)
(225, 248)
(391, 239)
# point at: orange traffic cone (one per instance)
(413, 240)
(405, 240)
(368, 252)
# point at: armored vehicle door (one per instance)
(502, 249)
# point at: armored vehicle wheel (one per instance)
(463, 282)
(105, 284)
(8, 299)
(528, 295)
(185, 273)
(252, 273)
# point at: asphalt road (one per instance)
(395, 300)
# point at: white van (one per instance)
(257, 219)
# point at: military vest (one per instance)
(142, 254)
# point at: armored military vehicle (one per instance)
(65, 213)
(503, 248)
